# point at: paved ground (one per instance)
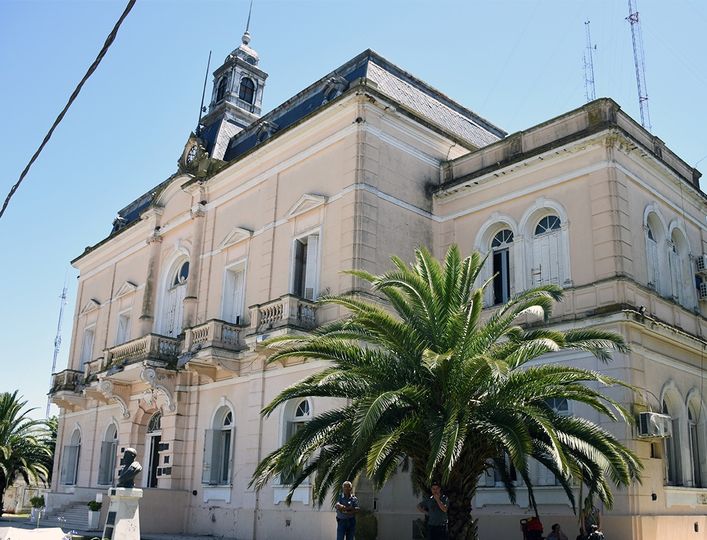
(23, 522)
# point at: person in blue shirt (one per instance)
(346, 508)
(435, 507)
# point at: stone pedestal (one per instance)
(123, 519)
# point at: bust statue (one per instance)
(131, 468)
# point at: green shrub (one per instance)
(94, 506)
(37, 501)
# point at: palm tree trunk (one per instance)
(461, 524)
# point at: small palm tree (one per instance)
(433, 389)
(25, 446)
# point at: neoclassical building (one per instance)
(261, 217)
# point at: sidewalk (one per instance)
(23, 522)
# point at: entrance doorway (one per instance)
(154, 436)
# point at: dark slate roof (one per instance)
(411, 93)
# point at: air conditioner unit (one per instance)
(652, 424)
(701, 264)
(702, 291)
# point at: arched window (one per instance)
(174, 299)
(70, 461)
(218, 449)
(680, 269)
(221, 89)
(109, 448)
(246, 92)
(152, 446)
(297, 414)
(546, 251)
(673, 474)
(500, 247)
(696, 432)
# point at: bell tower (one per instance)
(236, 98)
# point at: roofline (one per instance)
(441, 96)
(597, 127)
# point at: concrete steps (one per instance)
(74, 516)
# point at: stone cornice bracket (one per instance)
(117, 392)
(198, 210)
(162, 382)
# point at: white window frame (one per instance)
(214, 450)
(86, 349)
(239, 310)
(69, 473)
(165, 328)
(314, 269)
(124, 315)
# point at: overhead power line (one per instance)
(74, 95)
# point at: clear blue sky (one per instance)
(515, 63)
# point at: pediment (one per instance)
(126, 288)
(237, 234)
(306, 203)
(90, 305)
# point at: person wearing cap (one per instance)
(435, 507)
(346, 508)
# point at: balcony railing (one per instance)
(214, 333)
(287, 311)
(149, 347)
(68, 380)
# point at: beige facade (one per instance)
(173, 306)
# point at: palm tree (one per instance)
(24, 444)
(432, 388)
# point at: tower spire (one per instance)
(246, 34)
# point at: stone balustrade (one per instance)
(68, 380)
(149, 347)
(214, 333)
(287, 311)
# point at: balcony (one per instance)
(212, 349)
(214, 333)
(152, 349)
(66, 389)
(287, 312)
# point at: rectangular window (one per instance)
(233, 294)
(306, 267)
(123, 333)
(87, 345)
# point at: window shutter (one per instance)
(537, 269)
(299, 269)
(69, 465)
(103, 463)
(217, 458)
(553, 257)
(208, 464)
(238, 286)
(87, 350)
(652, 261)
(310, 277)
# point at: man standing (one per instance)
(556, 533)
(435, 507)
(346, 508)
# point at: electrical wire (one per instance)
(74, 95)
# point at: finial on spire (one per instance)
(246, 34)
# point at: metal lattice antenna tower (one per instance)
(57, 340)
(589, 88)
(639, 61)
